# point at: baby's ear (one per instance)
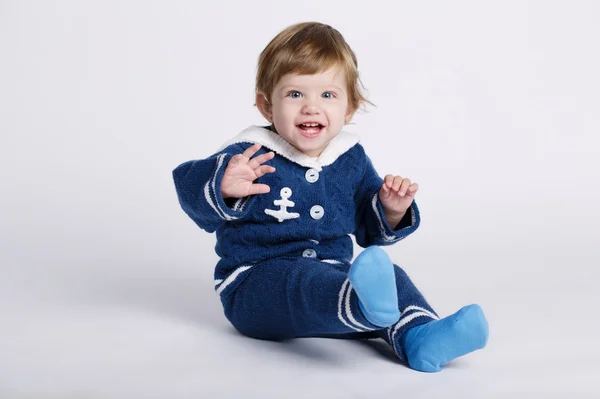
(264, 106)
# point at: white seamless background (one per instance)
(106, 286)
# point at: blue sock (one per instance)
(431, 345)
(372, 277)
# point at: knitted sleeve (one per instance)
(371, 226)
(198, 185)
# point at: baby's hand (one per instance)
(241, 171)
(397, 194)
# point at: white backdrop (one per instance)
(106, 285)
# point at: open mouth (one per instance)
(310, 129)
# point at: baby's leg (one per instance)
(296, 297)
(422, 339)
(414, 311)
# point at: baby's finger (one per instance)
(258, 189)
(236, 160)
(262, 158)
(388, 180)
(404, 186)
(397, 183)
(412, 189)
(252, 150)
(264, 169)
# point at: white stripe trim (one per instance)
(237, 203)
(399, 351)
(332, 261)
(340, 301)
(414, 307)
(240, 203)
(232, 277)
(218, 281)
(405, 321)
(244, 202)
(349, 311)
(408, 309)
(214, 181)
(209, 200)
(380, 221)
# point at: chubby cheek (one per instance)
(284, 115)
(336, 117)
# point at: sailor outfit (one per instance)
(285, 255)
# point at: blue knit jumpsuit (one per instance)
(285, 255)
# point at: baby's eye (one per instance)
(295, 94)
(328, 94)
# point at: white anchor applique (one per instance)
(283, 203)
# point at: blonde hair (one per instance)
(308, 48)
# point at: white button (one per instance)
(312, 175)
(317, 212)
(309, 253)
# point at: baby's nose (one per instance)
(310, 109)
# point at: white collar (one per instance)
(336, 147)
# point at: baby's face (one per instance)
(310, 110)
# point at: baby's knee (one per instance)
(400, 273)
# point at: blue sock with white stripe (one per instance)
(373, 279)
(431, 345)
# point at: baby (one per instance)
(284, 199)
